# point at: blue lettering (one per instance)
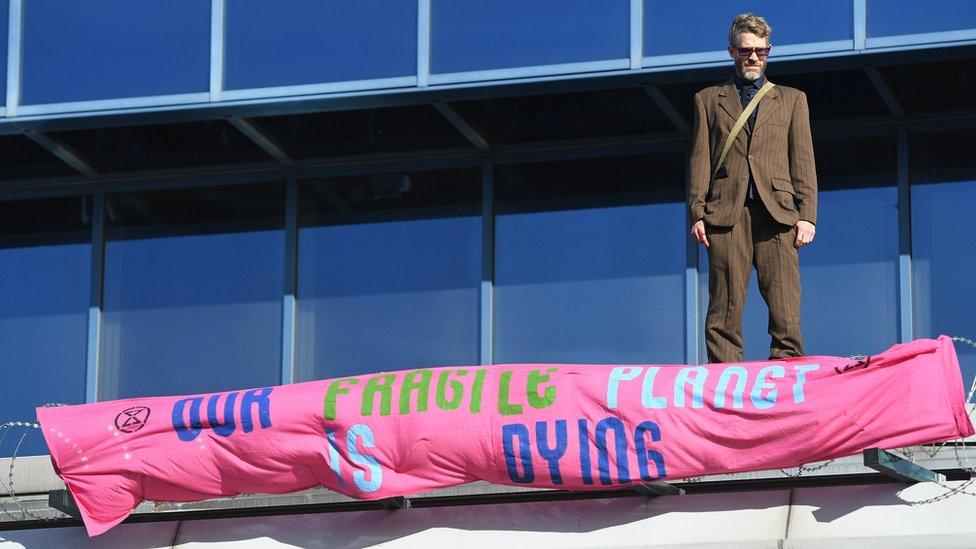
(259, 397)
(509, 433)
(226, 428)
(603, 455)
(584, 445)
(552, 455)
(187, 434)
(643, 454)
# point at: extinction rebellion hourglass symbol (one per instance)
(132, 419)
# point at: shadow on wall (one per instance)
(699, 518)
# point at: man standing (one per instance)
(759, 206)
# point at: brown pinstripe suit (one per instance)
(777, 154)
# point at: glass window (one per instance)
(45, 258)
(102, 49)
(389, 271)
(472, 35)
(312, 41)
(943, 177)
(892, 17)
(589, 261)
(703, 26)
(849, 274)
(193, 290)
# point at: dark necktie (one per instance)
(745, 96)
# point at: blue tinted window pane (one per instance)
(943, 257)
(943, 265)
(389, 272)
(689, 27)
(102, 49)
(309, 41)
(892, 17)
(193, 286)
(471, 35)
(45, 258)
(589, 262)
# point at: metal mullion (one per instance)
(860, 25)
(692, 284)
(218, 22)
(96, 285)
(906, 321)
(636, 33)
(487, 290)
(290, 295)
(423, 43)
(15, 49)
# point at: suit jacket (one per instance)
(778, 152)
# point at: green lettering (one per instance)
(336, 389)
(532, 389)
(378, 384)
(457, 390)
(421, 387)
(476, 388)
(506, 408)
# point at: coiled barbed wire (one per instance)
(25, 513)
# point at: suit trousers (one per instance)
(756, 240)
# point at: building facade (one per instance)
(204, 196)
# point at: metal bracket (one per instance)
(656, 489)
(64, 502)
(890, 465)
(395, 503)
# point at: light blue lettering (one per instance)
(759, 401)
(361, 431)
(801, 378)
(647, 390)
(616, 376)
(740, 374)
(697, 387)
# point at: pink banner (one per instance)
(562, 426)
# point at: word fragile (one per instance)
(450, 390)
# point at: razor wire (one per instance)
(8, 486)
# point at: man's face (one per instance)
(752, 67)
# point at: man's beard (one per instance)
(740, 69)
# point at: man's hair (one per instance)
(747, 22)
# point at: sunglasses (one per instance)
(761, 53)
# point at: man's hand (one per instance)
(804, 233)
(698, 231)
